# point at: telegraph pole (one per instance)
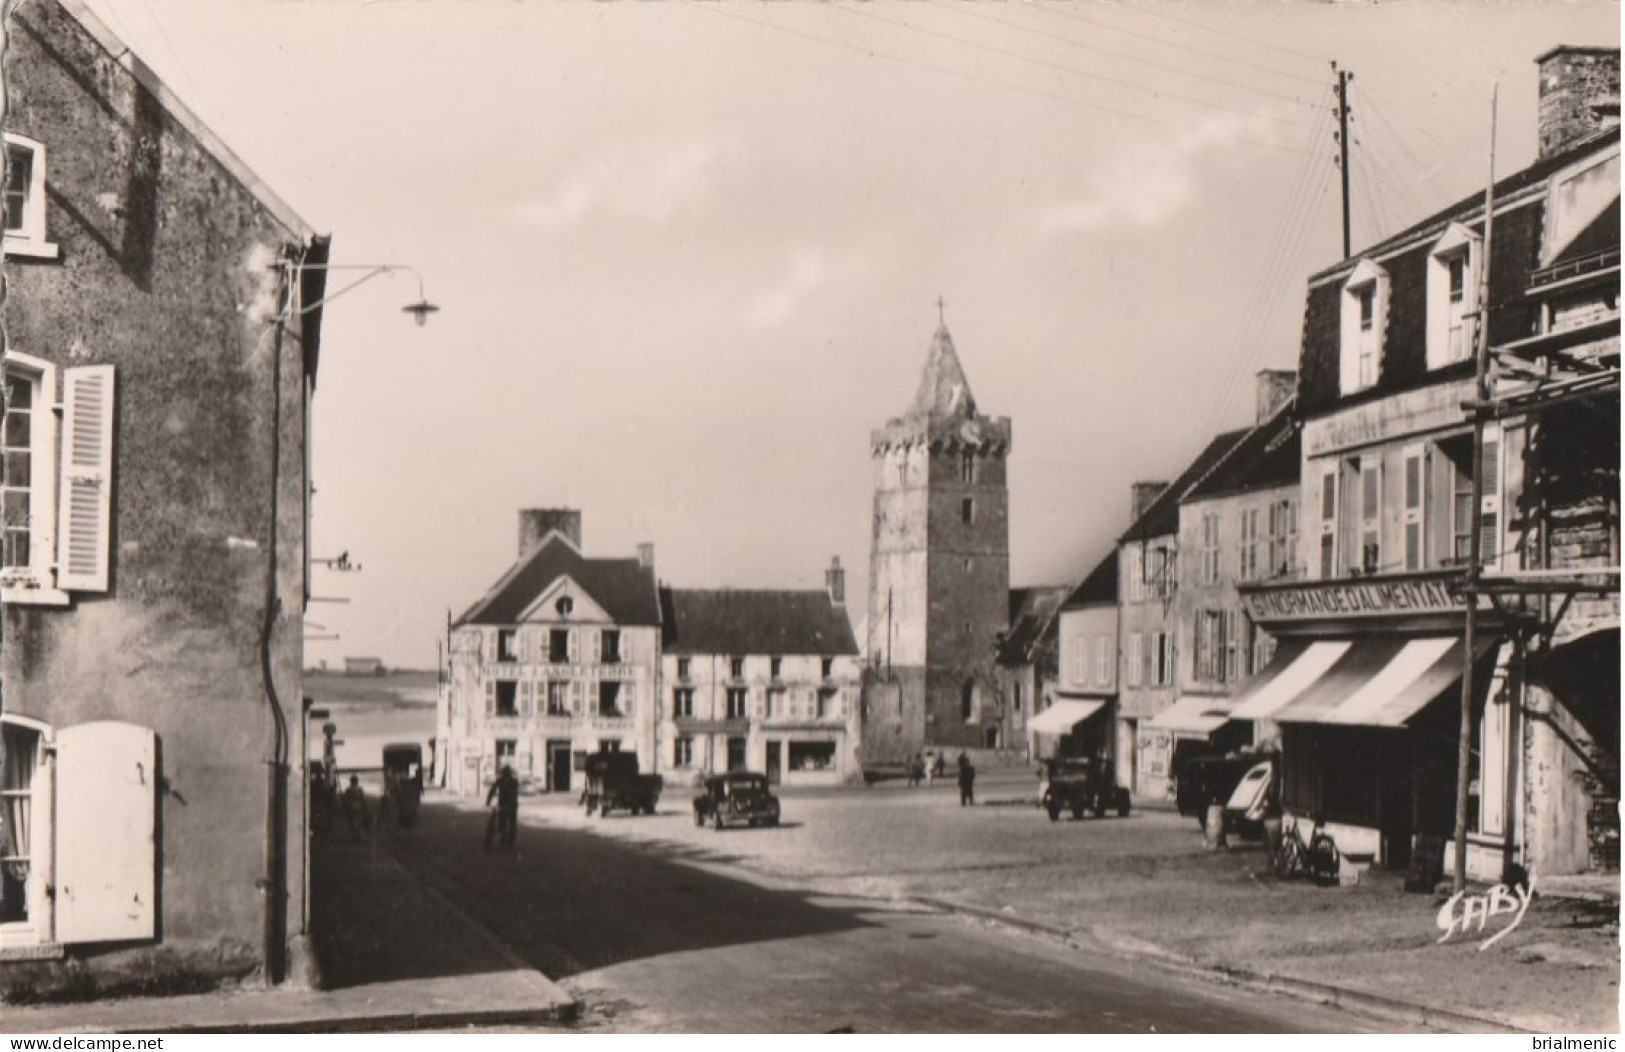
(1475, 543)
(1343, 78)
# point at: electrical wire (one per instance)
(869, 52)
(1176, 70)
(1144, 9)
(1073, 70)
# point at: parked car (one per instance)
(1081, 784)
(1206, 780)
(615, 784)
(1254, 799)
(737, 798)
(403, 781)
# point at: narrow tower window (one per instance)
(967, 511)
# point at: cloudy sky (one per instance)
(689, 253)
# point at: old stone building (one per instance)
(939, 568)
(559, 659)
(761, 680)
(162, 310)
(1372, 649)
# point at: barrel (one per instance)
(1214, 829)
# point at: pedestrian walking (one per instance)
(503, 825)
(967, 782)
(916, 769)
(354, 805)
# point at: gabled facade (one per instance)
(1081, 716)
(1148, 624)
(560, 659)
(1028, 660)
(1366, 686)
(939, 568)
(162, 322)
(1237, 524)
(760, 680)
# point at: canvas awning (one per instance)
(1192, 714)
(1376, 682)
(1062, 716)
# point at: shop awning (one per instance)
(1062, 716)
(1192, 714)
(1376, 682)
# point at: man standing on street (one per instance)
(504, 823)
(967, 782)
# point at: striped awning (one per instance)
(1062, 716)
(1192, 714)
(1373, 682)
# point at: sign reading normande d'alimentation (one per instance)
(1352, 598)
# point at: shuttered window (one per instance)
(1415, 509)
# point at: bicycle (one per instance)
(1318, 859)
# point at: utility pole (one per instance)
(1343, 78)
(1475, 542)
(888, 633)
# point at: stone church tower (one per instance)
(939, 567)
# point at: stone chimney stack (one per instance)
(537, 523)
(646, 555)
(835, 581)
(1579, 95)
(1144, 494)
(1275, 388)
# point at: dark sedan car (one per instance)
(737, 799)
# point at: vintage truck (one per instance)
(615, 784)
(1080, 784)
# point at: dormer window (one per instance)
(1364, 313)
(25, 199)
(1452, 293)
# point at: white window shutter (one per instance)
(574, 647)
(106, 821)
(86, 500)
(597, 647)
(490, 697)
(575, 697)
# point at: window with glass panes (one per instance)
(19, 178)
(682, 701)
(738, 703)
(17, 456)
(1250, 541)
(1210, 548)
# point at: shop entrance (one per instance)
(736, 754)
(558, 767)
(775, 761)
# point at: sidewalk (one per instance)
(394, 956)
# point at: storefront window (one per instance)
(812, 756)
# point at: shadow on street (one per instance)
(564, 900)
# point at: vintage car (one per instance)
(403, 781)
(736, 799)
(1202, 781)
(1255, 798)
(615, 784)
(1081, 784)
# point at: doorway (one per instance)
(775, 761)
(558, 767)
(736, 754)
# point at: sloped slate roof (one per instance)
(944, 391)
(1031, 611)
(1162, 517)
(745, 621)
(1099, 587)
(1600, 235)
(1266, 458)
(625, 588)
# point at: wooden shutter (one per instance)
(629, 697)
(573, 645)
(106, 821)
(86, 500)
(1415, 509)
(597, 647)
(1489, 511)
(575, 697)
(490, 697)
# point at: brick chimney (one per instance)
(1275, 388)
(1579, 95)
(835, 581)
(536, 523)
(646, 555)
(1144, 494)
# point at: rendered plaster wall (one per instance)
(166, 272)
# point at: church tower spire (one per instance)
(939, 565)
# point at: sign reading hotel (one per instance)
(1352, 599)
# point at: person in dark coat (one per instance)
(967, 782)
(503, 824)
(354, 805)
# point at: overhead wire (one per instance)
(871, 52)
(1167, 67)
(1144, 9)
(1162, 42)
(1072, 70)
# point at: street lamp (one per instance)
(420, 310)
